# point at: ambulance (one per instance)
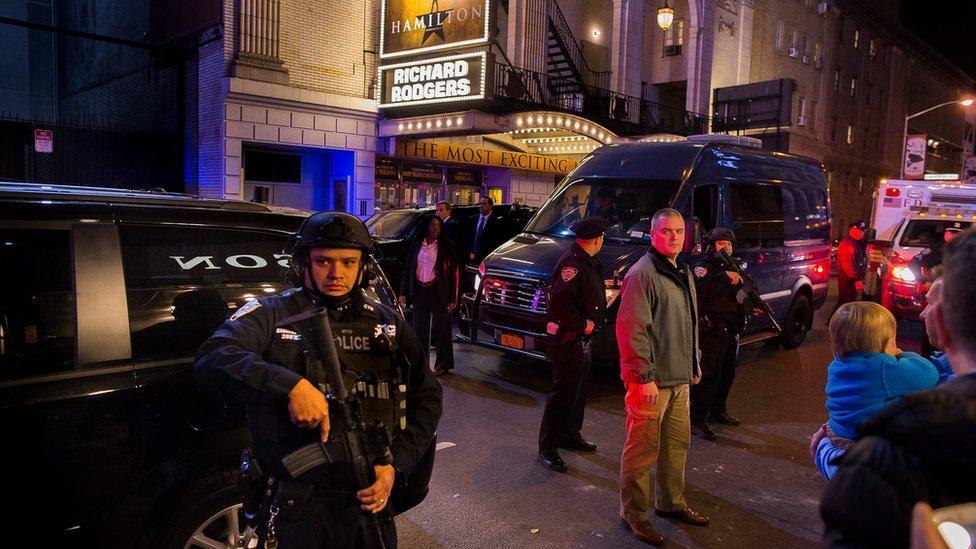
(908, 217)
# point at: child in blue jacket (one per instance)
(869, 372)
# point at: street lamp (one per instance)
(904, 133)
(665, 16)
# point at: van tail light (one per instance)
(820, 271)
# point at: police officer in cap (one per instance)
(254, 360)
(577, 305)
(722, 310)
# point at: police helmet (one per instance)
(333, 230)
(720, 233)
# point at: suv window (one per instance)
(182, 282)
(926, 232)
(757, 215)
(37, 306)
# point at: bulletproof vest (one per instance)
(367, 344)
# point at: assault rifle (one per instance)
(749, 287)
(363, 445)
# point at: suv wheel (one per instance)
(208, 514)
(799, 319)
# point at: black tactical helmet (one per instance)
(720, 233)
(333, 230)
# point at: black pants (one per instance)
(718, 355)
(321, 520)
(563, 416)
(426, 305)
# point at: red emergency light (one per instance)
(893, 191)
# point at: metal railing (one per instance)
(565, 35)
(624, 114)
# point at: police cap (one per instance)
(720, 233)
(591, 227)
(859, 224)
(333, 230)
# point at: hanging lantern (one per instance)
(665, 16)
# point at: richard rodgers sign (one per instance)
(441, 80)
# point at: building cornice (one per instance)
(279, 96)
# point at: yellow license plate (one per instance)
(513, 341)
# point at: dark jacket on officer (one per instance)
(577, 293)
(254, 362)
(719, 303)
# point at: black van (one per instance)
(776, 203)
(104, 298)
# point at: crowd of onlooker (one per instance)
(901, 428)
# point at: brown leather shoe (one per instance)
(686, 516)
(644, 532)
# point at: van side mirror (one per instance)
(693, 235)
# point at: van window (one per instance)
(182, 282)
(627, 205)
(705, 205)
(757, 215)
(805, 214)
(37, 305)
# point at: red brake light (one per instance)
(892, 191)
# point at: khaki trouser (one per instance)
(662, 434)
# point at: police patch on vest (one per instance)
(700, 272)
(248, 307)
(568, 273)
(388, 329)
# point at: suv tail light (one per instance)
(900, 272)
(478, 277)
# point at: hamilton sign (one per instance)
(416, 26)
(442, 80)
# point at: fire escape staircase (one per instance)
(568, 74)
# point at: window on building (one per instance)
(857, 38)
(836, 80)
(840, 29)
(833, 129)
(272, 166)
(674, 38)
(872, 48)
(850, 134)
(817, 55)
(853, 87)
(778, 37)
(801, 112)
(794, 44)
(806, 49)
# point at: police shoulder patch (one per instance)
(251, 306)
(568, 273)
(700, 271)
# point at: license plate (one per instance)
(513, 341)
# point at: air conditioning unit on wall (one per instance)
(793, 52)
(822, 8)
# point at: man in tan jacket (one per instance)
(657, 335)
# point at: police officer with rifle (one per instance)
(341, 406)
(725, 297)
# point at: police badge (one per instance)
(568, 273)
(700, 271)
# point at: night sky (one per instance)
(947, 27)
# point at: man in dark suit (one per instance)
(480, 234)
(451, 229)
(430, 284)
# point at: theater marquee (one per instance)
(415, 26)
(446, 79)
(449, 152)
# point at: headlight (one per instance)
(903, 274)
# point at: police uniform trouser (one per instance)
(427, 305)
(846, 292)
(718, 355)
(326, 519)
(563, 416)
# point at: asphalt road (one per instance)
(756, 481)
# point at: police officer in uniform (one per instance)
(255, 360)
(577, 305)
(722, 309)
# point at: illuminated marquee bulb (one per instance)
(448, 122)
(429, 124)
(460, 121)
(400, 127)
(438, 123)
(410, 126)
(519, 122)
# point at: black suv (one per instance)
(105, 297)
(393, 231)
